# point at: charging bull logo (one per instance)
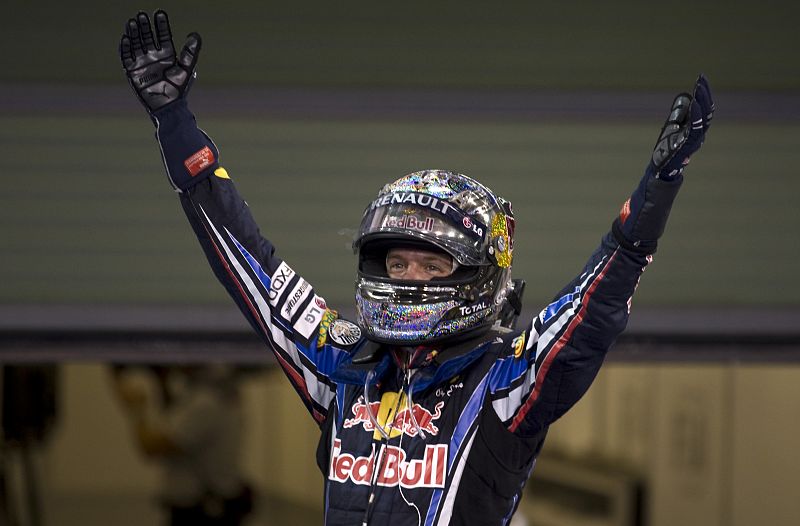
(394, 468)
(408, 420)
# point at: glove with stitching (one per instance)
(683, 132)
(161, 81)
(156, 74)
(644, 216)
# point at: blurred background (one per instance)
(315, 105)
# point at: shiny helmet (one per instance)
(443, 211)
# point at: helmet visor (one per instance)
(420, 216)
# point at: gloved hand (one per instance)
(644, 216)
(161, 81)
(683, 132)
(156, 74)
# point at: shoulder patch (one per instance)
(344, 332)
(518, 344)
(324, 325)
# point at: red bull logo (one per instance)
(395, 469)
(409, 420)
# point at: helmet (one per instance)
(440, 211)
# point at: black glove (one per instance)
(683, 132)
(161, 81)
(156, 74)
(644, 216)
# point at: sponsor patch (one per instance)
(518, 344)
(295, 298)
(344, 332)
(199, 161)
(324, 326)
(279, 283)
(310, 317)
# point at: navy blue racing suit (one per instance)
(464, 427)
(437, 435)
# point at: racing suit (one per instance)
(464, 425)
(439, 435)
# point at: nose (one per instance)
(416, 272)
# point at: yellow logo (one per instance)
(324, 325)
(518, 345)
(387, 414)
(221, 173)
(503, 248)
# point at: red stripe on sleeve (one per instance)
(295, 377)
(562, 341)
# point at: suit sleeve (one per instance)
(281, 306)
(560, 352)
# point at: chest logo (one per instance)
(408, 420)
(395, 470)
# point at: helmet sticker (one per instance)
(420, 200)
(472, 309)
(473, 226)
(411, 222)
(344, 332)
(426, 204)
(502, 240)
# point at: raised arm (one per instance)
(279, 304)
(566, 343)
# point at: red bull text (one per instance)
(395, 470)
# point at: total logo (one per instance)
(472, 309)
(469, 224)
(395, 470)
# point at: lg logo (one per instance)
(467, 222)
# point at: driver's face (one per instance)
(417, 264)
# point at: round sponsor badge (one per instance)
(344, 332)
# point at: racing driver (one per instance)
(431, 409)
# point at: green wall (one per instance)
(87, 216)
(567, 44)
